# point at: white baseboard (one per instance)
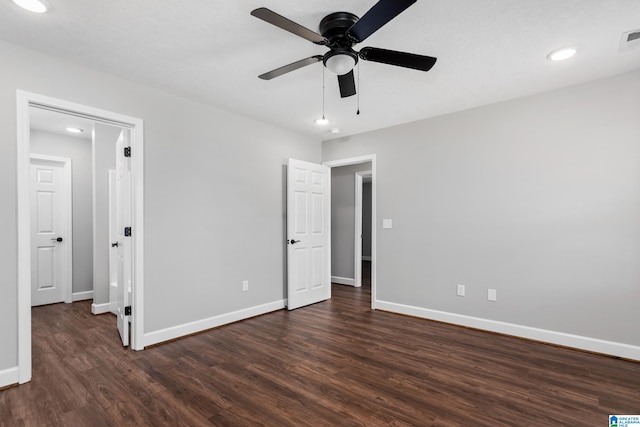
(366, 258)
(100, 308)
(174, 332)
(343, 281)
(559, 338)
(81, 296)
(9, 377)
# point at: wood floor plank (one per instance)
(336, 363)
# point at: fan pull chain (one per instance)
(358, 100)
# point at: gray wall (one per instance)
(79, 151)
(213, 194)
(343, 218)
(538, 198)
(104, 149)
(366, 219)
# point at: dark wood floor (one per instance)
(335, 363)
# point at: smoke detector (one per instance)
(630, 40)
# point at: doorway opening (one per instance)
(363, 225)
(360, 169)
(26, 102)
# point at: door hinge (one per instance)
(127, 151)
(127, 310)
(127, 232)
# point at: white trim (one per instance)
(81, 296)
(25, 100)
(366, 258)
(24, 239)
(9, 377)
(137, 179)
(100, 308)
(174, 332)
(553, 337)
(67, 214)
(357, 234)
(357, 237)
(374, 185)
(343, 281)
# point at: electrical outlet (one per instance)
(492, 295)
(460, 290)
(245, 285)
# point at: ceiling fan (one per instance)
(339, 31)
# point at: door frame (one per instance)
(357, 238)
(25, 100)
(67, 204)
(355, 161)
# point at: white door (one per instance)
(113, 244)
(308, 233)
(123, 221)
(51, 272)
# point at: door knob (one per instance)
(57, 239)
(293, 242)
(114, 245)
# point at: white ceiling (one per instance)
(54, 122)
(213, 51)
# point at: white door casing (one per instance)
(123, 220)
(308, 233)
(25, 101)
(354, 161)
(51, 225)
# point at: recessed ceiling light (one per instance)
(37, 6)
(75, 130)
(562, 54)
(322, 121)
(335, 130)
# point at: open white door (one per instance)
(123, 232)
(308, 233)
(113, 239)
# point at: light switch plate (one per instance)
(387, 223)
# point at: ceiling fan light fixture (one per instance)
(339, 62)
(36, 6)
(562, 54)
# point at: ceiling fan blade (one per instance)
(347, 84)
(293, 66)
(401, 59)
(381, 13)
(286, 24)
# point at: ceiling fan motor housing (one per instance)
(335, 25)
